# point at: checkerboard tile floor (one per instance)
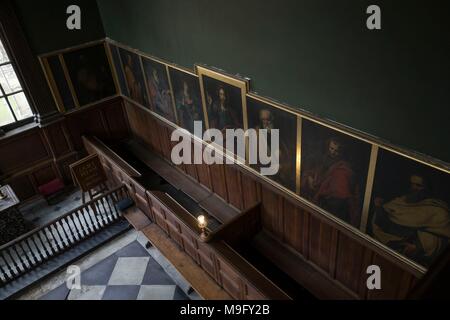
(129, 274)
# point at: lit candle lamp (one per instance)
(202, 224)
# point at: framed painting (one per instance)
(262, 114)
(134, 77)
(334, 171)
(409, 211)
(187, 98)
(224, 98)
(158, 88)
(58, 84)
(117, 63)
(90, 74)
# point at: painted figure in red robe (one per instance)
(328, 181)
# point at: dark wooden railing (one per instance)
(44, 243)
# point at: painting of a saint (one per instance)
(159, 92)
(133, 76)
(224, 98)
(117, 64)
(410, 208)
(188, 102)
(262, 115)
(334, 170)
(61, 83)
(223, 105)
(90, 73)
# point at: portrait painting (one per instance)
(409, 212)
(134, 78)
(90, 73)
(118, 66)
(188, 100)
(224, 98)
(334, 170)
(62, 89)
(262, 115)
(158, 88)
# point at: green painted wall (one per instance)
(313, 54)
(44, 23)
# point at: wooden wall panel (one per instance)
(58, 139)
(234, 187)
(38, 155)
(351, 269)
(45, 175)
(272, 212)
(22, 186)
(116, 121)
(22, 151)
(252, 191)
(218, 181)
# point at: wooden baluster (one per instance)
(62, 242)
(114, 212)
(31, 259)
(39, 256)
(67, 233)
(11, 265)
(57, 241)
(18, 263)
(9, 274)
(106, 211)
(102, 213)
(88, 219)
(76, 232)
(93, 218)
(83, 222)
(46, 245)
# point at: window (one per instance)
(14, 106)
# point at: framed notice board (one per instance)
(88, 173)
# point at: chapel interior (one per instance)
(99, 97)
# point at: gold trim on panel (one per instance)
(52, 84)
(299, 154)
(144, 76)
(182, 69)
(369, 188)
(122, 69)
(410, 157)
(174, 105)
(112, 67)
(204, 104)
(73, 48)
(68, 80)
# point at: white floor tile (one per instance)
(129, 271)
(156, 292)
(87, 293)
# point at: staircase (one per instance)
(47, 249)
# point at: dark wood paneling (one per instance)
(218, 181)
(22, 151)
(45, 175)
(59, 142)
(23, 187)
(234, 187)
(39, 155)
